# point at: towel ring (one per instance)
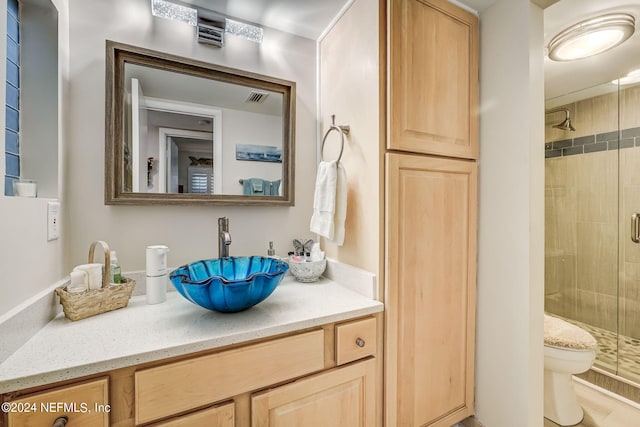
(342, 129)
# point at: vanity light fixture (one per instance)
(174, 11)
(211, 26)
(246, 31)
(630, 78)
(591, 37)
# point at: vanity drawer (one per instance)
(217, 416)
(85, 404)
(355, 340)
(181, 386)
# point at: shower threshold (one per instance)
(621, 374)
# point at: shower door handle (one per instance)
(635, 227)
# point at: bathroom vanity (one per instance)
(299, 355)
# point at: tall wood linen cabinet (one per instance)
(430, 213)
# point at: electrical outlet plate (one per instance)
(53, 220)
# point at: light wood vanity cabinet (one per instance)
(85, 404)
(328, 372)
(269, 383)
(433, 78)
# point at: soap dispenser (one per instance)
(157, 274)
(271, 252)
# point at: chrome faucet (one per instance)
(224, 238)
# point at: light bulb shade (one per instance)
(246, 31)
(173, 11)
(591, 37)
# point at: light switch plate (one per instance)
(53, 220)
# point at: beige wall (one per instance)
(349, 88)
(589, 201)
(191, 231)
(29, 263)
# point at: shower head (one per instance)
(566, 123)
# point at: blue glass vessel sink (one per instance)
(229, 284)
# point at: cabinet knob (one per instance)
(60, 421)
(360, 342)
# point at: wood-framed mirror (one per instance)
(182, 131)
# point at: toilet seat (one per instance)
(561, 334)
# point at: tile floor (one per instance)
(609, 346)
(601, 410)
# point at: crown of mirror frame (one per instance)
(211, 26)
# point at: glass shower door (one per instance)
(629, 239)
(582, 216)
(592, 242)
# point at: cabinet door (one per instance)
(343, 397)
(430, 302)
(433, 78)
(84, 404)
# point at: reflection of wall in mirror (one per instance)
(238, 127)
(152, 151)
(248, 128)
(127, 172)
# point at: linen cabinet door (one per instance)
(433, 78)
(342, 397)
(430, 288)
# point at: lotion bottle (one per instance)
(115, 273)
(316, 253)
(157, 274)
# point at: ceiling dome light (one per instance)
(591, 37)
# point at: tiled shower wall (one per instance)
(590, 188)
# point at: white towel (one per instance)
(330, 202)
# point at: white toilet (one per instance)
(568, 350)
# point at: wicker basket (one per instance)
(78, 306)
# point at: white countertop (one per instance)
(142, 333)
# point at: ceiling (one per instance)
(562, 78)
(306, 18)
(310, 18)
